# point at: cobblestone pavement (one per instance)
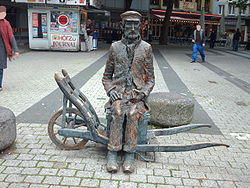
(34, 161)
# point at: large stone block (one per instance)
(7, 128)
(170, 109)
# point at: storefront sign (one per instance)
(63, 20)
(67, 2)
(64, 42)
(76, 2)
(191, 6)
(30, 1)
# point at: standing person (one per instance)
(212, 38)
(236, 40)
(128, 79)
(95, 39)
(199, 43)
(7, 43)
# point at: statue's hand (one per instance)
(138, 96)
(114, 95)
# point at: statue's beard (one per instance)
(132, 35)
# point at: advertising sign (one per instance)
(30, 1)
(67, 2)
(96, 3)
(64, 42)
(76, 2)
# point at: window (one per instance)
(243, 11)
(155, 2)
(221, 9)
(39, 25)
(231, 9)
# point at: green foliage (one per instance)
(241, 4)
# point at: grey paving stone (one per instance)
(60, 165)
(25, 157)
(70, 181)
(226, 184)
(191, 182)
(90, 183)
(52, 180)
(17, 178)
(2, 168)
(102, 175)
(48, 171)
(19, 185)
(214, 176)
(85, 174)
(2, 177)
(181, 174)
(173, 181)
(145, 171)
(242, 184)
(42, 157)
(30, 171)
(4, 185)
(38, 186)
(66, 172)
(45, 164)
(165, 186)
(154, 165)
(120, 176)
(138, 178)
(28, 164)
(108, 184)
(12, 170)
(76, 166)
(127, 184)
(197, 175)
(209, 183)
(93, 167)
(57, 158)
(12, 163)
(34, 179)
(156, 179)
(162, 172)
(144, 185)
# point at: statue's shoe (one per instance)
(112, 165)
(129, 164)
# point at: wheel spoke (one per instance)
(57, 123)
(64, 140)
(74, 140)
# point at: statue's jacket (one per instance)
(119, 68)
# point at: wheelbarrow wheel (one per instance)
(71, 121)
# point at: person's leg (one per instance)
(131, 140)
(1, 78)
(194, 54)
(201, 50)
(236, 45)
(115, 137)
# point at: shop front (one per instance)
(54, 28)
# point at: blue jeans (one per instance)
(1, 77)
(196, 48)
(235, 45)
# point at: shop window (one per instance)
(198, 2)
(64, 22)
(207, 5)
(221, 9)
(231, 9)
(155, 2)
(243, 11)
(176, 3)
(39, 25)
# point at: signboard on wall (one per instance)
(30, 1)
(64, 42)
(189, 6)
(96, 3)
(67, 2)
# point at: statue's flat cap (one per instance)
(2, 9)
(131, 15)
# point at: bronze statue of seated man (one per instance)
(128, 79)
